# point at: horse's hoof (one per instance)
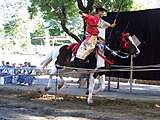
(47, 88)
(90, 102)
(60, 87)
(87, 92)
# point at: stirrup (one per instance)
(72, 59)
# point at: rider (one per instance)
(92, 30)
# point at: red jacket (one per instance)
(92, 24)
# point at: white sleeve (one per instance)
(103, 24)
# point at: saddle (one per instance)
(75, 46)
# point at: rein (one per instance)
(115, 53)
(103, 57)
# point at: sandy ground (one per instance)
(33, 103)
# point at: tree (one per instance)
(15, 22)
(16, 26)
(63, 10)
(58, 10)
(39, 31)
(11, 28)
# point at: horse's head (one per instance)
(123, 43)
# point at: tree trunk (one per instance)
(70, 33)
(63, 19)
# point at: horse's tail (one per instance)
(47, 60)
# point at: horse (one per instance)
(121, 45)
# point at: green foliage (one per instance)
(54, 29)
(137, 6)
(11, 28)
(23, 45)
(36, 41)
(65, 12)
(15, 24)
(38, 33)
(60, 11)
(127, 4)
(52, 9)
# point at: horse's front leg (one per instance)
(91, 88)
(102, 84)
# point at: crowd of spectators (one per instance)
(19, 74)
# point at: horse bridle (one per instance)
(113, 52)
(117, 53)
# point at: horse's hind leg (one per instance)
(49, 84)
(54, 70)
(61, 85)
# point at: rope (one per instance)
(103, 57)
(117, 68)
(146, 66)
(98, 71)
(114, 53)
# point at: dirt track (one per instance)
(34, 105)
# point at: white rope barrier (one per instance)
(98, 71)
(117, 68)
(120, 66)
(146, 66)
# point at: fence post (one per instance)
(109, 83)
(131, 73)
(118, 82)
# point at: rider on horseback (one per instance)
(92, 30)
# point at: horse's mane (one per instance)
(114, 40)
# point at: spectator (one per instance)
(2, 66)
(1, 69)
(3, 63)
(25, 78)
(8, 71)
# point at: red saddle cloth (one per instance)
(73, 47)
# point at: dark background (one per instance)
(146, 26)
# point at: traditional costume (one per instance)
(92, 31)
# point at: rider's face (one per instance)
(101, 13)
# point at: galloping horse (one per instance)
(99, 58)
